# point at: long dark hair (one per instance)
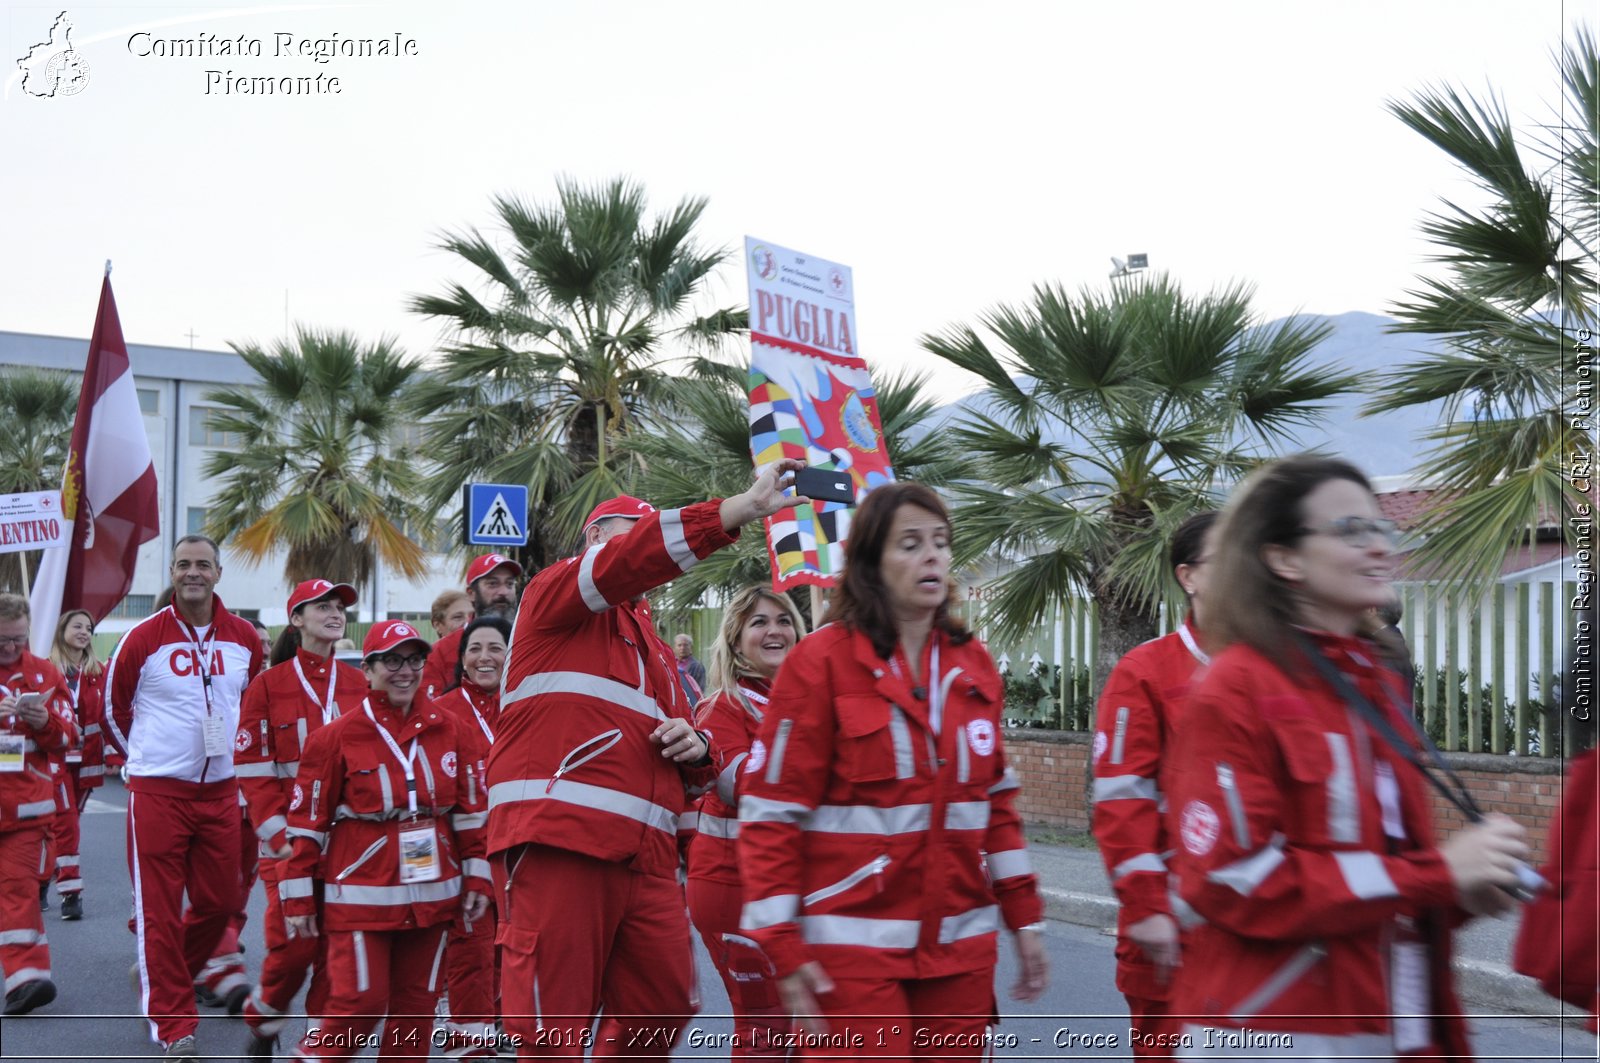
(499, 623)
(862, 602)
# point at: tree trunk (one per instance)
(1122, 627)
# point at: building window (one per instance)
(203, 432)
(135, 606)
(149, 401)
(197, 521)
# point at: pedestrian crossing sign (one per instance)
(496, 514)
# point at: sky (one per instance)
(952, 154)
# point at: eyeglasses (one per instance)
(393, 662)
(13, 640)
(1358, 531)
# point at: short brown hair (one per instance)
(13, 607)
(1252, 605)
(861, 601)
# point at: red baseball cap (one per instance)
(482, 566)
(313, 589)
(387, 634)
(621, 506)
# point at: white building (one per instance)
(172, 384)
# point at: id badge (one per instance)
(1409, 994)
(218, 742)
(419, 851)
(13, 752)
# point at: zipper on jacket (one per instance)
(850, 881)
(1280, 980)
(372, 850)
(596, 746)
(1230, 794)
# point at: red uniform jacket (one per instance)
(1133, 730)
(277, 714)
(348, 808)
(88, 756)
(439, 673)
(1557, 943)
(28, 796)
(587, 682)
(870, 838)
(476, 708)
(732, 720)
(1307, 845)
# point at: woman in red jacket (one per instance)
(1303, 824)
(387, 813)
(759, 628)
(472, 965)
(73, 653)
(880, 848)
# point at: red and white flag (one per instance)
(108, 491)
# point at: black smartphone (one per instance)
(825, 485)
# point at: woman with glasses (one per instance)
(759, 628)
(72, 651)
(387, 816)
(472, 963)
(1303, 825)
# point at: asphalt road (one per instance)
(1081, 1017)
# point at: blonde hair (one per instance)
(59, 649)
(442, 604)
(726, 667)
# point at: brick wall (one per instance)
(1053, 766)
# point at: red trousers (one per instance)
(179, 844)
(912, 1019)
(394, 975)
(760, 1021)
(472, 976)
(224, 970)
(580, 934)
(24, 863)
(1149, 1028)
(283, 969)
(64, 832)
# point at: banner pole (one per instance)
(22, 563)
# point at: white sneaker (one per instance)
(182, 1050)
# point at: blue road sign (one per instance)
(496, 514)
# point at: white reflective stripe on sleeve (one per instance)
(320, 837)
(1119, 735)
(718, 827)
(363, 979)
(1244, 876)
(769, 911)
(1008, 781)
(1126, 788)
(1365, 875)
(966, 815)
(766, 810)
(1008, 864)
(688, 821)
(969, 924)
(963, 758)
(677, 543)
(468, 820)
(1344, 822)
(900, 736)
(35, 808)
(1135, 864)
(727, 781)
(261, 769)
(619, 694)
(288, 769)
(292, 888)
(780, 743)
(23, 937)
(412, 893)
(476, 867)
(586, 589)
(582, 794)
(271, 826)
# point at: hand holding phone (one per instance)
(825, 485)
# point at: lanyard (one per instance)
(482, 724)
(754, 703)
(405, 761)
(1191, 645)
(202, 662)
(330, 711)
(935, 695)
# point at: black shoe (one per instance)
(261, 1046)
(235, 999)
(30, 995)
(44, 896)
(205, 997)
(183, 1050)
(72, 907)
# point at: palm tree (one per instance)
(320, 470)
(1519, 285)
(1105, 419)
(40, 407)
(555, 349)
(700, 448)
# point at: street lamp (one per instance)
(1128, 268)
